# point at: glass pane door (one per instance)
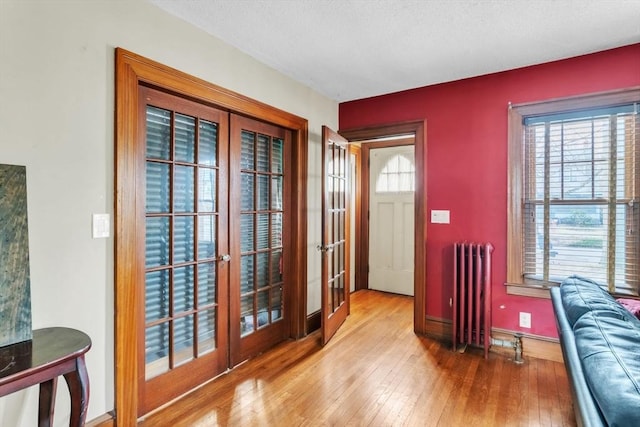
(185, 283)
(335, 217)
(261, 223)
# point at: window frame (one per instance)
(516, 283)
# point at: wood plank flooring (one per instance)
(377, 372)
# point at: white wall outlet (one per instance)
(525, 320)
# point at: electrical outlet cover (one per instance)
(525, 320)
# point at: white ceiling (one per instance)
(352, 49)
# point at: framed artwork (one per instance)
(15, 291)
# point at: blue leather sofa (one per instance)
(600, 343)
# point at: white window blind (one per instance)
(580, 201)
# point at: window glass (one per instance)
(579, 210)
(398, 175)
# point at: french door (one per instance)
(216, 204)
(335, 229)
(259, 205)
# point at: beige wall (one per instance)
(56, 117)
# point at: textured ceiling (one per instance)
(351, 49)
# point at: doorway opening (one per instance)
(412, 133)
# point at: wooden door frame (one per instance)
(131, 71)
(418, 129)
(356, 196)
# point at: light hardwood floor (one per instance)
(377, 372)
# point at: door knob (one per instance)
(327, 248)
(225, 258)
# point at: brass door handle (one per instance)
(325, 248)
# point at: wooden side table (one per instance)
(52, 352)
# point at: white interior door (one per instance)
(391, 219)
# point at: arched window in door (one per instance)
(398, 175)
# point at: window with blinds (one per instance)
(579, 198)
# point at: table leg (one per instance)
(78, 382)
(46, 402)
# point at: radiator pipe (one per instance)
(517, 344)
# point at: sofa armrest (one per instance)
(585, 407)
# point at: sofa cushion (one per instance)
(581, 295)
(608, 347)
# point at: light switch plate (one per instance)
(101, 226)
(439, 217)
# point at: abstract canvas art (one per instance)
(15, 290)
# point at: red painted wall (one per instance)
(467, 160)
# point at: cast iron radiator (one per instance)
(472, 295)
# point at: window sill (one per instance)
(534, 291)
